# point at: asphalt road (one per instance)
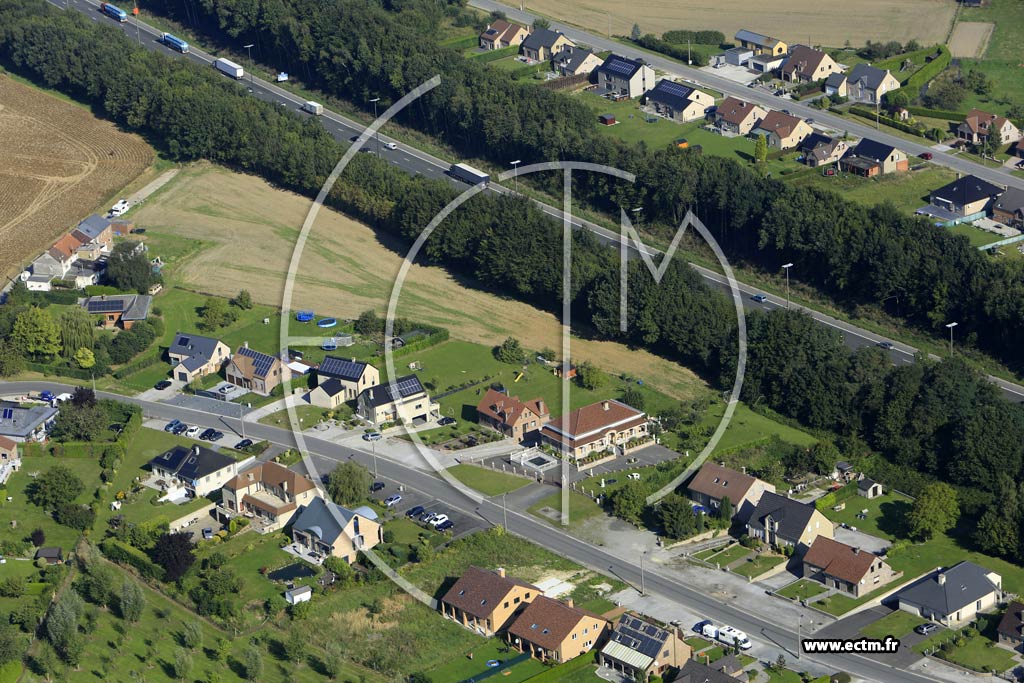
(995, 174)
(523, 525)
(417, 162)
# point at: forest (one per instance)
(930, 420)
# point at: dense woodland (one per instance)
(929, 420)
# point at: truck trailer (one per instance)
(314, 108)
(174, 43)
(226, 66)
(114, 12)
(468, 174)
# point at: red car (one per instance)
(927, 156)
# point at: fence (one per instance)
(566, 82)
(1002, 243)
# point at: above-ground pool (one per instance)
(329, 345)
(327, 322)
(304, 316)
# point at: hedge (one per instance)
(833, 498)
(929, 71)
(936, 113)
(424, 343)
(894, 63)
(147, 361)
(60, 371)
(131, 426)
(101, 290)
(122, 553)
(495, 55)
(893, 123)
(679, 37)
(656, 44)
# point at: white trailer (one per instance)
(226, 66)
(727, 635)
(314, 108)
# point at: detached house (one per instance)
(639, 649)
(10, 461)
(118, 309)
(56, 261)
(328, 529)
(1011, 626)
(571, 62)
(845, 568)
(781, 130)
(623, 77)
(351, 376)
(736, 116)
(485, 601)
(21, 424)
(967, 196)
(1009, 207)
(806, 65)
(822, 150)
(760, 44)
(198, 470)
(677, 101)
(269, 493)
(408, 402)
(543, 44)
(193, 356)
(95, 231)
(502, 34)
(980, 126)
(867, 84)
(713, 483)
(954, 596)
(781, 521)
(870, 159)
(550, 630)
(518, 420)
(258, 372)
(596, 428)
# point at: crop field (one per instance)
(248, 231)
(59, 163)
(830, 22)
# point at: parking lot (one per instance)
(228, 440)
(208, 405)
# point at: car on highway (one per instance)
(392, 501)
(373, 436)
(192, 431)
(207, 433)
(391, 145)
(414, 511)
(438, 520)
(926, 629)
(376, 486)
(759, 298)
(927, 156)
(180, 429)
(244, 443)
(445, 525)
(888, 346)
(367, 150)
(445, 421)
(169, 427)
(162, 384)
(353, 138)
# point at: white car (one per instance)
(193, 430)
(439, 520)
(390, 145)
(119, 208)
(392, 501)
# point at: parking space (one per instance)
(202, 523)
(463, 523)
(227, 438)
(645, 457)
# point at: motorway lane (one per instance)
(520, 524)
(995, 174)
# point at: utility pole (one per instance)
(515, 174)
(249, 49)
(241, 417)
(374, 445)
(636, 217)
(951, 326)
(689, 59)
(135, 11)
(643, 587)
(504, 512)
(799, 627)
(375, 100)
(786, 267)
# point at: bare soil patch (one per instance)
(970, 38)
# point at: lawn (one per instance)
(803, 589)
(581, 508)
(729, 555)
(977, 653)
(758, 565)
(697, 643)
(249, 552)
(514, 667)
(907, 191)
(977, 236)
(618, 480)
(705, 554)
(886, 516)
(748, 428)
(487, 482)
(307, 415)
(896, 624)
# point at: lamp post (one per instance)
(515, 173)
(786, 267)
(249, 50)
(799, 627)
(636, 217)
(373, 445)
(375, 100)
(643, 587)
(504, 512)
(951, 326)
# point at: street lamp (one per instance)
(375, 100)
(643, 587)
(786, 267)
(515, 174)
(504, 512)
(373, 445)
(951, 326)
(249, 50)
(636, 217)
(799, 626)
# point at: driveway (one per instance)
(851, 626)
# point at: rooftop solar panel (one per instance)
(8, 413)
(104, 306)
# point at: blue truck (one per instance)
(114, 12)
(174, 43)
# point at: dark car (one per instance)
(445, 421)
(699, 626)
(888, 346)
(927, 156)
(207, 434)
(377, 486)
(414, 511)
(179, 429)
(244, 443)
(163, 384)
(217, 435)
(445, 525)
(353, 138)
(170, 427)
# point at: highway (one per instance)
(417, 162)
(520, 524)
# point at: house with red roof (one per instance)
(519, 420)
(846, 568)
(596, 428)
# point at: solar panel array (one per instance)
(344, 369)
(183, 341)
(638, 635)
(619, 66)
(673, 88)
(261, 362)
(407, 386)
(8, 413)
(104, 305)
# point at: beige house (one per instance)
(736, 116)
(760, 44)
(867, 84)
(550, 630)
(713, 483)
(269, 494)
(354, 376)
(573, 62)
(518, 420)
(257, 372)
(543, 44)
(325, 528)
(678, 101)
(193, 356)
(638, 647)
(870, 158)
(408, 402)
(966, 196)
(596, 428)
(10, 461)
(196, 471)
(502, 34)
(485, 601)
(845, 568)
(622, 77)
(822, 150)
(980, 126)
(954, 596)
(806, 65)
(781, 130)
(779, 521)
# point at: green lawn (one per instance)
(697, 643)
(907, 191)
(897, 624)
(977, 236)
(581, 508)
(618, 480)
(308, 415)
(460, 667)
(1008, 16)
(705, 554)
(886, 516)
(804, 589)
(729, 555)
(748, 427)
(978, 652)
(487, 482)
(784, 676)
(759, 565)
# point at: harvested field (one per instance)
(248, 230)
(59, 164)
(970, 39)
(830, 22)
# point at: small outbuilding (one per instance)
(52, 554)
(298, 594)
(869, 488)
(606, 120)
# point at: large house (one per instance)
(118, 309)
(353, 375)
(327, 529)
(677, 101)
(550, 630)
(485, 601)
(543, 44)
(867, 83)
(953, 596)
(639, 649)
(713, 483)
(781, 521)
(193, 356)
(269, 493)
(255, 371)
(411, 403)
(198, 471)
(598, 427)
(56, 261)
(501, 34)
(95, 231)
(870, 159)
(805, 65)
(980, 126)
(517, 420)
(622, 77)
(30, 423)
(760, 44)
(573, 62)
(966, 196)
(736, 116)
(845, 568)
(1011, 626)
(822, 150)
(1009, 207)
(781, 130)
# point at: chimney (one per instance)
(540, 406)
(353, 359)
(570, 603)
(605, 405)
(856, 551)
(371, 394)
(500, 571)
(245, 345)
(942, 579)
(744, 469)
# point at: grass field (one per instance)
(748, 427)
(886, 516)
(907, 191)
(60, 163)
(729, 555)
(487, 482)
(308, 416)
(897, 624)
(977, 236)
(758, 565)
(803, 589)
(1003, 60)
(581, 509)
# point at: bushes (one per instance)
(652, 42)
(935, 113)
(123, 553)
(898, 125)
(930, 70)
(147, 361)
(680, 37)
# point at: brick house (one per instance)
(518, 420)
(485, 601)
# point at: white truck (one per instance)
(314, 108)
(226, 66)
(726, 635)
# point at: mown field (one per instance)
(59, 163)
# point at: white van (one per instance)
(119, 208)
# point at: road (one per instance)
(417, 162)
(995, 174)
(520, 524)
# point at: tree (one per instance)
(725, 510)
(38, 537)
(676, 516)
(182, 664)
(590, 376)
(368, 324)
(173, 552)
(12, 645)
(333, 661)
(349, 483)
(12, 359)
(131, 601)
(934, 511)
(129, 269)
(243, 300)
(192, 634)
(84, 358)
(978, 82)
(541, 23)
(215, 314)
(76, 330)
(81, 422)
(12, 587)
(252, 662)
(897, 99)
(295, 648)
(54, 487)
(61, 626)
(36, 334)
(635, 33)
(760, 149)
(629, 501)
(510, 351)
(342, 570)
(420, 677)
(75, 515)
(632, 396)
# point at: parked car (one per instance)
(192, 431)
(445, 525)
(888, 346)
(376, 486)
(391, 145)
(759, 298)
(414, 511)
(373, 436)
(926, 629)
(927, 156)
(427, 517)
(438, 520)
(392, 501)
(119, 208)
(353, 138)
(445, 421)
(244, 443)
(180, 429)
(162, 384)
(208, 533)
(699, 626)
(171, 425)
(207, 433)
(217, 435)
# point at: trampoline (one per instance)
(327, 322)
(304, 316)
(329, 345)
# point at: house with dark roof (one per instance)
(736, 116)
(835, 85)
(601, 427)
(738, 56)
(1009, 207)
(353, 376)
(866, 83)
(622, 77)
(485, 601)
(714, 482)
(639, 649)
(695, 671)
(821, 150)
(198, 471)
(678, 101)
(115, 310)
(806, 65)
(22, 424)
(543, 44)
(323, 529)
(501, 34)
(574, 62)
(95, 231)
(51, 554)
(255, 371)
(193, 356)
(555, 631)
(846, 568)
(402, 401)
(953, 596)
(966, 196)
(782, 130)
(760, 44)
(980, 126)
(870, 158)
(515, 419)
(780, 521)
(1011, 627)
(267, 493)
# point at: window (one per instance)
(516, 600)
(574, 636)
(506, 604)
